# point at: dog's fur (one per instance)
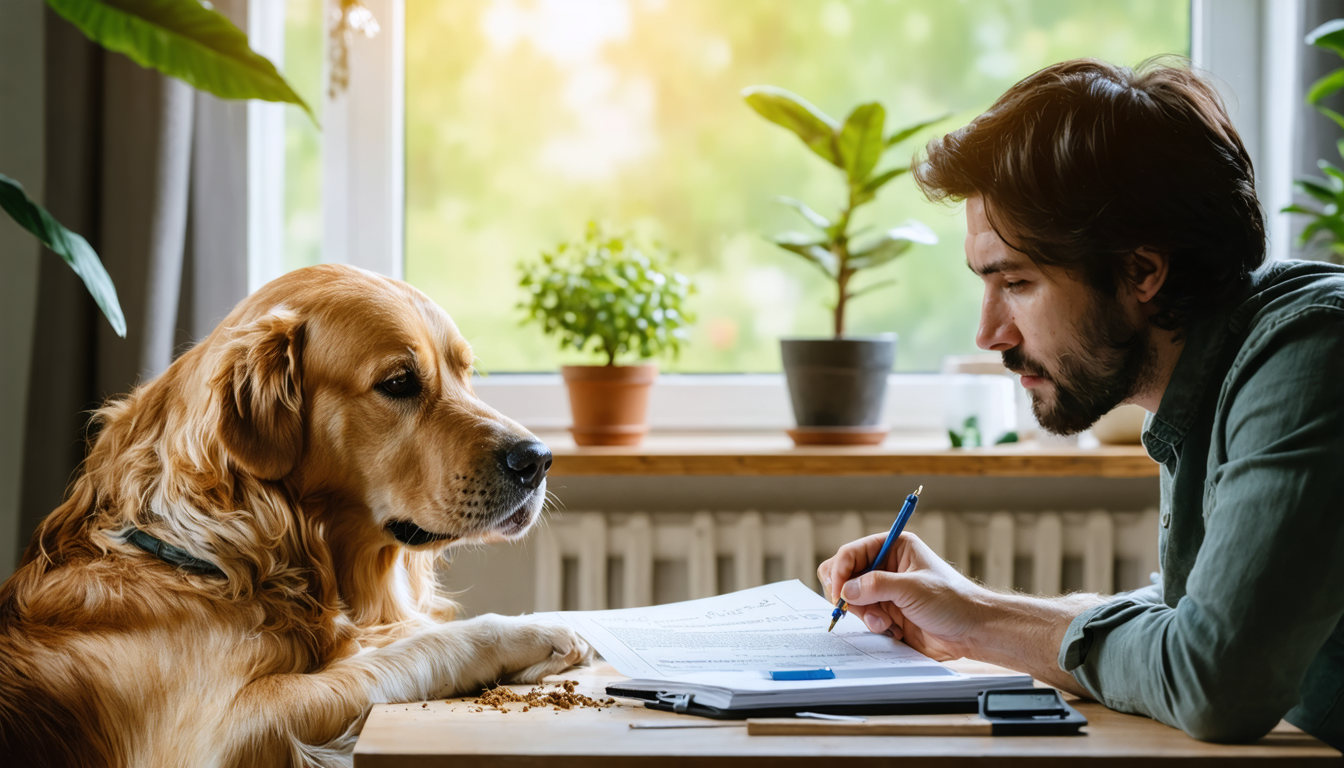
(271, 451)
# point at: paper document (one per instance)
(721, 650)
(774, 627)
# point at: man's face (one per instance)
(1080, 353)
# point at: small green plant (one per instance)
(1327, 224)
(608, 294)
(855, 148)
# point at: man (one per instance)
(1112, 217)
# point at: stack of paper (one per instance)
(723, 649)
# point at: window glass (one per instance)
(304, 41)
(526, 119)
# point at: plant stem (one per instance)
(840, 248)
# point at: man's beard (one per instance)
(1109, 363)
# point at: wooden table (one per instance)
(452, 734)
(773, 454)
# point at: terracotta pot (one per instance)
(609, 403)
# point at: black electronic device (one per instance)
(1029, 712)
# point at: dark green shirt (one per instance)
(1245, 626)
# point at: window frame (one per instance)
(363, 203)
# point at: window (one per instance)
(502, 96)
(526, 119)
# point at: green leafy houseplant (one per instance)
(185, 39)
(616, 297)
(855, 148)
(610, 295)
(1327, 223)
(838, 385)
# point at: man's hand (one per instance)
(915, 596)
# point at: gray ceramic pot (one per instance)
(838, 382)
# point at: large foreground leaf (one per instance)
(74, 249)
(183, 39)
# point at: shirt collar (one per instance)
(1204, 341)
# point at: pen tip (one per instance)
(828, 629)
(919, 490)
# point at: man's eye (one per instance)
(1014, 285)
(402, 385)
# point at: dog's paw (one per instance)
(532, 650)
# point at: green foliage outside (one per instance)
(854, 147)
(520, 127)
(1326, 227)
(185, 39)
(610, 295)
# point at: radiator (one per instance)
(597, 560)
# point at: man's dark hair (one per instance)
(1084, 162)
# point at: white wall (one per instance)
(22, 157)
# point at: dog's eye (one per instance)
(404, 384)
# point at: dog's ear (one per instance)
(258, 389)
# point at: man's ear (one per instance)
(1147, 272)
(260, 398)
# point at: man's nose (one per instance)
(527, 461)
(997, 331)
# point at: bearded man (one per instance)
(1112, 217)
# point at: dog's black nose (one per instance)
(527, 462)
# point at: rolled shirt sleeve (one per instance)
(1266, 589)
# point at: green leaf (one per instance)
(185, 39)
(1332, 114)
(74, 249)
(1295, 208)
(877, 182)
(1326, 86)
(1008, 437)
(1329, 35)
(905, 133)
(813, 218)
(870, 288)
(1316, 189)
(878, 253)
(891, 244)
(861, 141)
(1335, 177)
(816, 128)
(809, 248)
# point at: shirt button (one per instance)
(1166, 519)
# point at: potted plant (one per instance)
(1327, 224)
(614, 296)
(838, 385)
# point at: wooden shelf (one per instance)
(773, 454)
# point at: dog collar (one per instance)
(171, 554)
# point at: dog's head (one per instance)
(356, 389)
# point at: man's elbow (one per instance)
(1227, 720)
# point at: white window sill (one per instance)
(711, 402)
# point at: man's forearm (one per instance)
(1024, 633)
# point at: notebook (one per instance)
(724, 653)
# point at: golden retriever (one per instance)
(246, 562)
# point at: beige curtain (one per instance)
(119, 157)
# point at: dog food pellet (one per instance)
(562, 697)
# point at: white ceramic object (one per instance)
(988, 398)
(1122, 426)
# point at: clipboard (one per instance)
(685, 704)
(1050, 715)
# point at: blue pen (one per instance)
(902, 518)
